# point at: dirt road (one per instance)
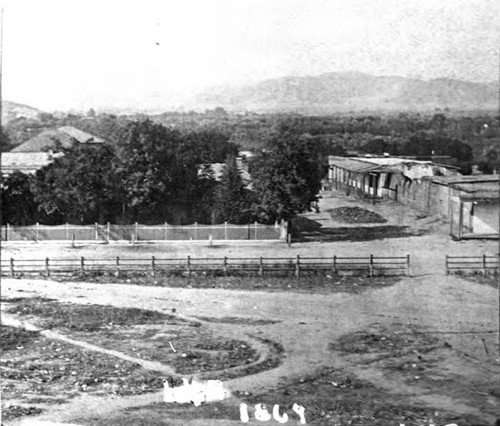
(462, 314)
(305, 323)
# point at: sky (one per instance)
(77, 54)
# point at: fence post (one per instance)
(407, 265)
(225, 230)
(261, 267)
(188, 264)
(484, 264)
(82, 263)
(297, 266)
(460, 220)
(117, 265)
(47, 270)
(249, 232)
(96, 231)
(255, 226)
(136, 232)
(224, 267)
(11, 266)
(371, 265)
(108, 231)
(335, 271)
(153, 273)
(446, 265)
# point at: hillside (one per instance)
(341, 92)
(13, 110)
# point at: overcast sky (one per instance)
(60, 54)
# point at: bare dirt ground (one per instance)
(422, 349)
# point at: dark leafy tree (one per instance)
(159, 171)
(79, 187)
(287, 178)
(18, 205)
(232, 198)
(209, 146)
(380, 146)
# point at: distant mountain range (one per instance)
(322, 94)
(13, 110)
(353, 91)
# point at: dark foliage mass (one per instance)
(149, 173)
(157, 169)
(287, 176)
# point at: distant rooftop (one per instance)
(66, 136)
(25, 162)
(449, 180)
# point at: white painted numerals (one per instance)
(262, 414)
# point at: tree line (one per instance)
(344, 132)
(148, 173)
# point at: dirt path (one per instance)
(304, 323)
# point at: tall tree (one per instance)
(159, 173)
(287, 177)
(79, 187)
(232, 198)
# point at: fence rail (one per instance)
(137, 232)
(484, 264)
(335, 265)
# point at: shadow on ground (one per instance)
(344, 233)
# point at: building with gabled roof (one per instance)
(42, 149)
(66, 137)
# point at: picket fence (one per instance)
(369, 266)
(137, 232)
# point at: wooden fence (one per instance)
(370, 266)
(137, 232)
(472, 264)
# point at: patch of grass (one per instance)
(54, 371)
(214, 356)
(84, 317)
(330, 397)
(355, 215)
(310, 283)
(12, 338)
(383, 340)
(335, 397)
(272, 360)
(11, 412)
